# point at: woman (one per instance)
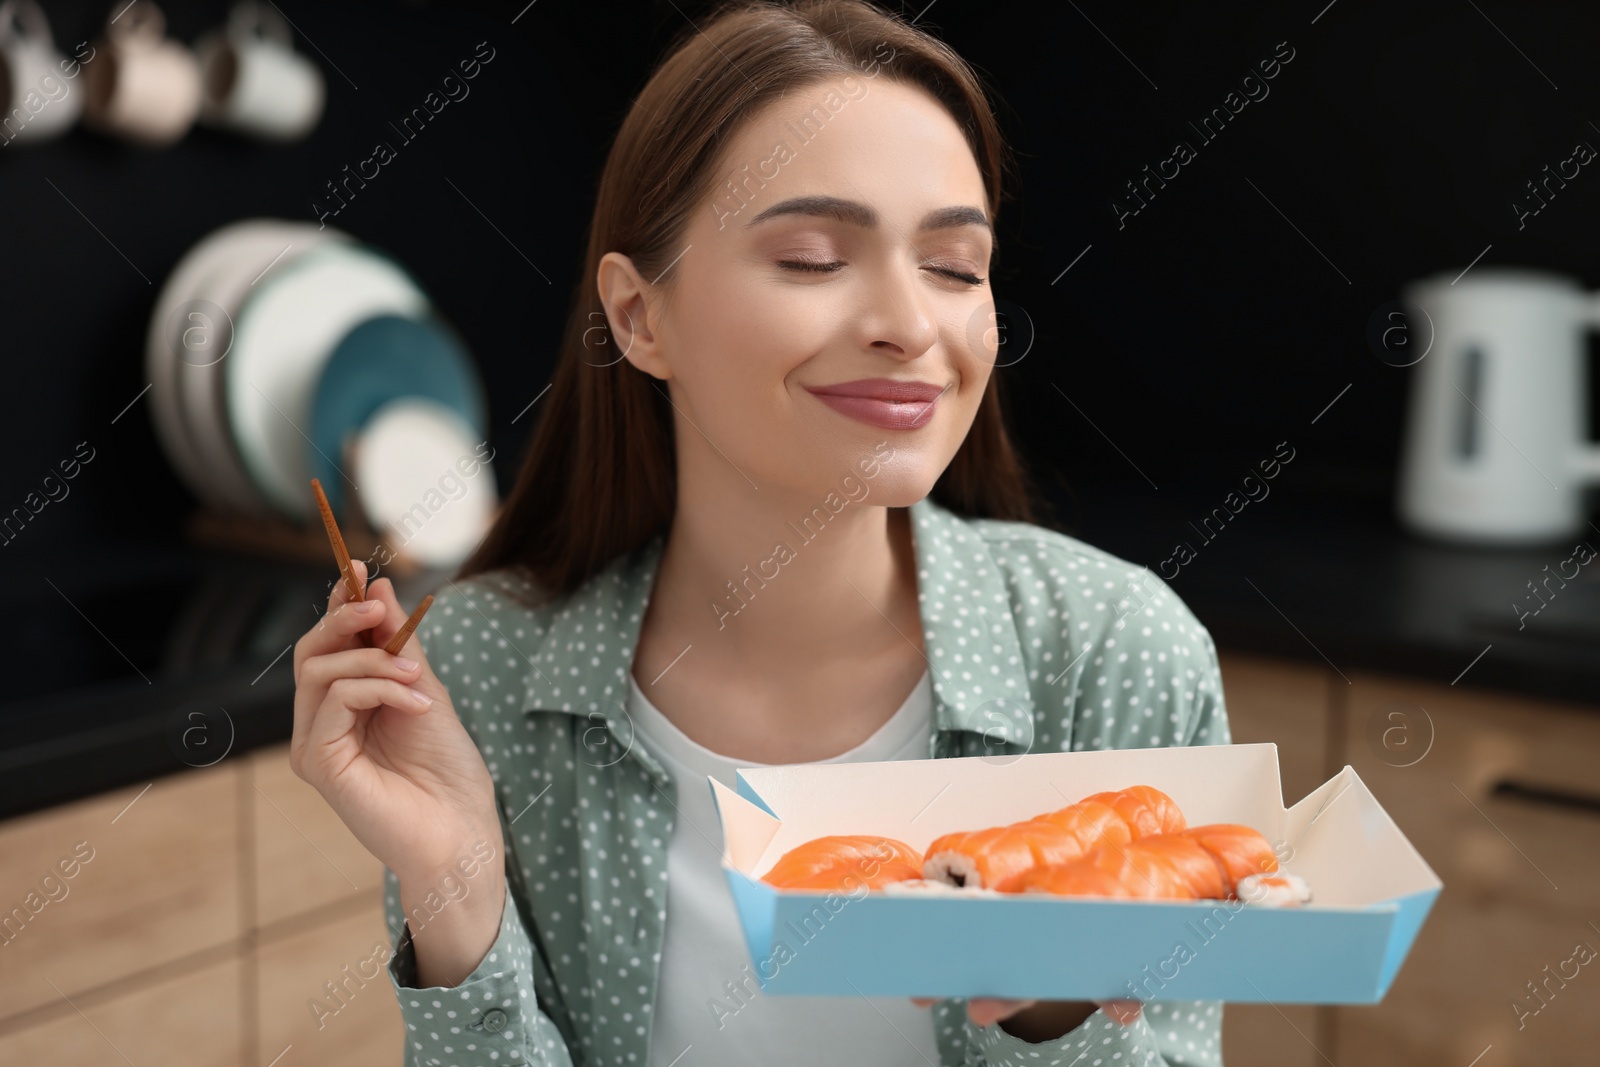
(770, 514)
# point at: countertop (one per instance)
(142, 660)
(1337, 580)
(146, 660)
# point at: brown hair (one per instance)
(600, 476)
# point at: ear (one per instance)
(631, 309)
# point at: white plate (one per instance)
(168, 354)
(185, 377)
(412, 489)
(204, 399)
(284, 332)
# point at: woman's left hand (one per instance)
(1041, 1020)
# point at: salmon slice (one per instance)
(1147, 809)
(1203, 862)
(993, 857)
(845, 862)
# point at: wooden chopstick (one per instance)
(337, 539)
(398, 641)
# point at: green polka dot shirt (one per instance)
(1035, 641)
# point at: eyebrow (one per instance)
(858, 214)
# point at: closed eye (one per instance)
(806, 264)
(829, 268)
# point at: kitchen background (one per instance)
(1175, 335)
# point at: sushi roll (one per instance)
(983, 859)
(993, 858)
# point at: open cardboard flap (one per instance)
(1371, 889)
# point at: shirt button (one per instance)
(494, 1020)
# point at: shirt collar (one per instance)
(581, 666)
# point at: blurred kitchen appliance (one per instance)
(1496, 448)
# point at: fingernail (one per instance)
(421, 698)
(404, 664)
(366, 605)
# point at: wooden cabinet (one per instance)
(202, 915)
(118, 886)
(189, 1018)
(1500, 793)
(1272, 700)
(1505, 807)
(319, 922)
(314, 993)
(305, 858)
(207, 914)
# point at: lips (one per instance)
(890, 389)
(887, 403)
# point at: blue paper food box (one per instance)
(1370, 888)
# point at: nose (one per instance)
(899, 320)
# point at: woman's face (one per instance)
(758, 351)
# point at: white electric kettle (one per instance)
(1496, 447)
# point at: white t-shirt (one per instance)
(710, 1011)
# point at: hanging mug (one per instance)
(252, 80)
(142, 86)
(36, 97)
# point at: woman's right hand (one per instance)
(403, 775)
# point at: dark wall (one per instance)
(1187, 340)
